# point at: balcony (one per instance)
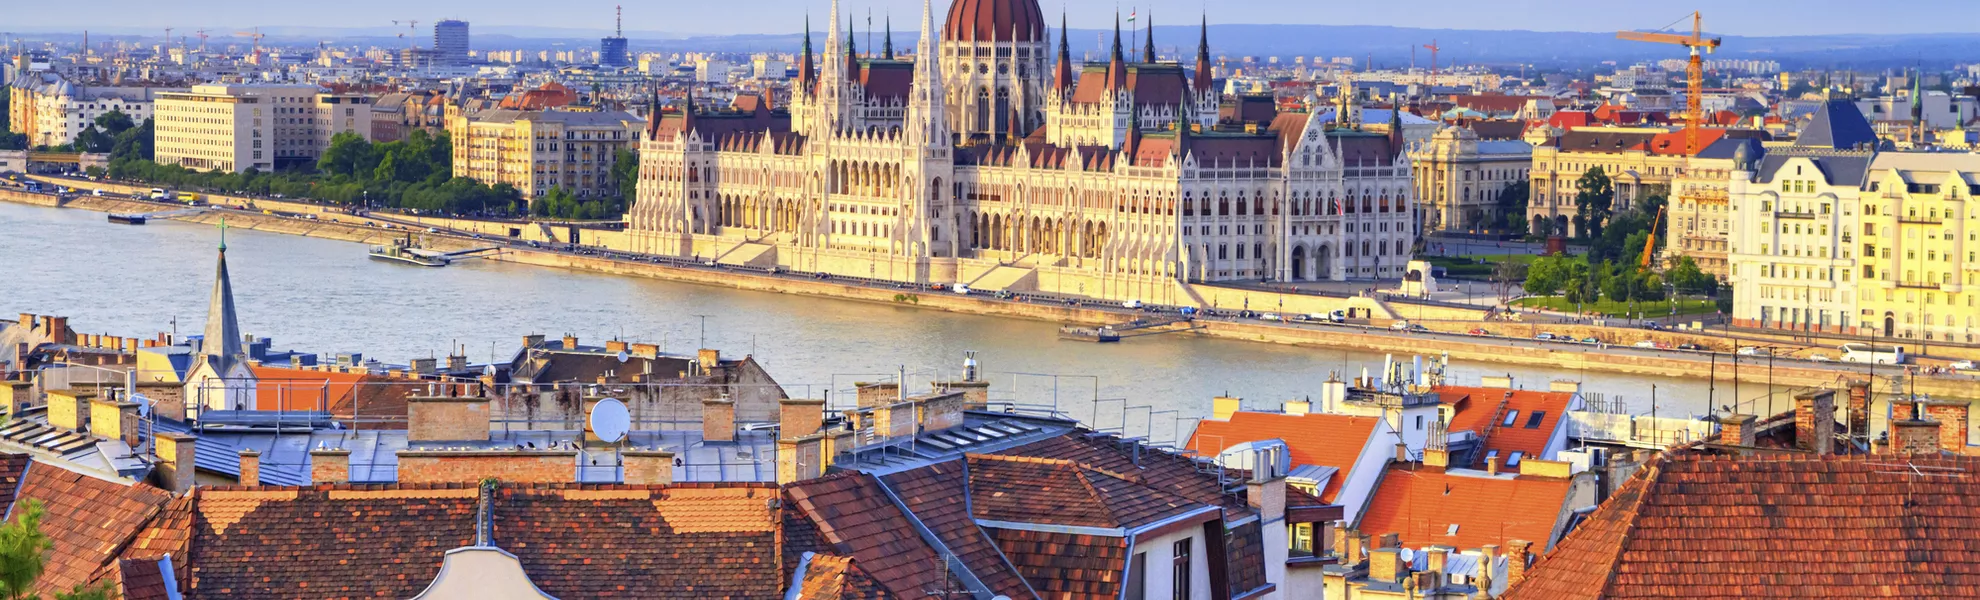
(1921, 220)
(1793, 215)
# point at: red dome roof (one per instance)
(994, 20)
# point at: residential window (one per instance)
(1137, 581)
(1180, 567)
(1533, 422)
(1512, 416)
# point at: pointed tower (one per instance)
(220, 377)
(808, 68)
(887, 42)
(832, 80)
(1395, 129)
(1148, 52)
(1203, 81)
(1116, 65)
(1062, 77)
(927, 114)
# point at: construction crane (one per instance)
(412, 37)
(254, 35)
(1650, 246)
(1433, 48)
(1694, 113)
(202, 41)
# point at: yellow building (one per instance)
(1459, 177)
(236, 127)
(540, 150)
(1700, 217)
(1919, 219)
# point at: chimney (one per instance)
(1384, 565)
(1491, 465)
(1268, 497)
(1402, 452)
(175, 461)
(1342, 535)
(1436, 457)
(1490, 555)
(709, 359)
(937, 412)
(648, 351)
(69, 409)
(1298, 407)
(446, 419)
(26, 321)
(1859, 408)
(1517, 555)
(250, 467)
(114, 420)
(1500, 382)
(718, 420)
(1815, 420)
(1952, 418)
(804, 458)
(1222, 407)
(15, 396)
(1389, 540)
(58, 330)
(456, 363)
(425, 366)
(616, 346)
(330, 465)
(532, 340)
(877, 394)
(1436, 562)
(799, 417)
(570, 342)
(1357, 547)
(1914, 436)
(648, 467)
(1736, 430)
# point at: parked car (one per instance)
(1690, 346)
(1546, 337)
(1647, 345)
(1654, 326)
(1270, 317)
(1590, 341)
(1964, 365)
(1753, 351)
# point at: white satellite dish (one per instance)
(610, 420)
(623, 357)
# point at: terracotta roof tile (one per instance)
(1035, 490)
(1168, 472)
(1476, 407)
(829, 577)
(1312, 439)
(1698, 526)
(854, 515)
(1422, 504)
(1244, 547)
(88, 520)
(1065, 566)
(141, 579)
(939, 496)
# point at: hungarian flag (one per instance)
(1131, 15)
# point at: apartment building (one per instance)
(1700, 218)
(1920, 237)
(540, 150)
(51, 110)
(1792, 242)
(236, 127)
(1639, 161)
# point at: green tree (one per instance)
(1512, 202)
(1547, 275)
(1581, 285)
(1594, 198)
(114, 122)
(346, 152)
(1685, 275)
(134, 143)
(625, 172)
(24, 554)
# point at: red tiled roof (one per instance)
(886, 81)
(1477, 406)
(828, 577)
(1061, 492)
(1421, 505)
(1153, 85)
(1697, 526)
(854, 515)
(1493, 103)
(87, 520)
(1163, 471)
(938, 495)
(1312, 439)
(141, 579)
(574, 541)
(1065, 566)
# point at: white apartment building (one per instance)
(1793, 237)
(236, 127)
(51, 110)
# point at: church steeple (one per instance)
(887, 42)
(808, 69)
(1116, 65)
(1203, 80)
(1148, 52)
(1062, 78)
(222, 345)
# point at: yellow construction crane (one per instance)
(1650, 246)
(255, 35)
(412, 26)
(1695, 74)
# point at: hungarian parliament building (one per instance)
(990, 160)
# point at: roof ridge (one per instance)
(1098, 498)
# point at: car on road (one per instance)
(1964, 365)
(1134, 304)
(1546, 337)
(1753, 351)
(1690, 346)
(1654, 326)
(960, 289)
(1270, 317)
(1479, 332)
(1399, 326)
(1591, 341)
(1819, 357)
(1646, 344)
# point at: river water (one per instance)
(325, 296)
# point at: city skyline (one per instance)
(587, 17)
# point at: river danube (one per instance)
(327, 297)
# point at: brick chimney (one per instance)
(718, 420)
(1859, 408)
(1436, 457)
(532, 340)
(470, 466)
(877, 394)
(16, 396)
(799, 417)
(1402, 452)
(1736, 430)
(570, 342)
(709, 360)
(333, 465)
(1914, 436)
(616, 346)
(937, 412)
(1953, 424)
(648, 467)
(250, 467)
(1815, 421)
(1436, 562)
(1297, 407)
(58, 330)
(69, 409)
(647, 351)
(1518, 553)
(175, 461)
(1491, 466)
(114, 420)
(1385, 565)
(1222, 407)
(447, 419)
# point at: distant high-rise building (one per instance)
(612, 50)
(450, 42)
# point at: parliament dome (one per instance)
(994, 21)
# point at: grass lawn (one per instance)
(1607, 307)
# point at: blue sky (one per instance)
(1736, 17)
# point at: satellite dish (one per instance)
(489, 370)
(623, 356)
(610, 420)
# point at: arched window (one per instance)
(983, 109)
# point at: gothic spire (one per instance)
(1203, 81)
(1148, 53)
(887, 43)
(221, 347)
(807, 70)
(1063, 78)
(1116, 67)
